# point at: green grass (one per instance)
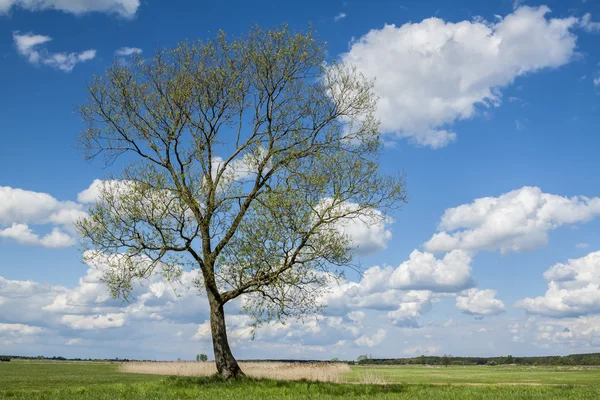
(418, 374)
(63, 380)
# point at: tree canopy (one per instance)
(240, 158)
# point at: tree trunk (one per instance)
(227, 366)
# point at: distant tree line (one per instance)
(117, 359)
(447, 359)
(572, 359)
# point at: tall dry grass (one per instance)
(324, 372)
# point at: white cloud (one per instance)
(373, 340)
(573, 289)
(368, 233)
(340, 16)
(21, 208)
(88, 322)
(28, 45)
(366, 229)
(479, 302)
(422, 350)
(588, 25)
(128, 51)
(92, 193)
(24, 206)
(597, 81)
(413, 305)
(124, 8)
(24, 235)
(579, 334)
(19, 330)
(433, 73)
(582, 245)
(424, 272)
(356, 316)
(516, 221)
(405, 292)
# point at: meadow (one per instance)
(95, 380)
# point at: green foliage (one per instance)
(201, 358)
(242, 157)
(363, 358)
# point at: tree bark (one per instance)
(227, 365)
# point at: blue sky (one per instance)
(496, 101)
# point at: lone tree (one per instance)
(201, 357)
(446, 360)
(243, 159)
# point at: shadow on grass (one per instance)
(332, 389)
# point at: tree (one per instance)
(243, 160)
(363, 357)
(201, 357)
(446, 360)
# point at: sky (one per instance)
(489, 108)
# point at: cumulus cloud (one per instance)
(579, 334)
(368, 233)
(413, 305)
(128, 51)
(405, 292)
(29, 45)
(433, 73)
(24, 206)
(11, 334)
(19, 330)
(424, 271)
(317, 330)
(19, 209)
(519, 220)
(83, 311)
(24, 235)
(373, 292)
(92, 193)
(88, 322)
(124, 8)
(372, 341)
(573, 289)
(479, 302)
(588, 25)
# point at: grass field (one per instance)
(64, 380)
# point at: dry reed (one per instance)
(324, 372)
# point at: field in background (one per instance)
(477, 375)
(92, 380)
